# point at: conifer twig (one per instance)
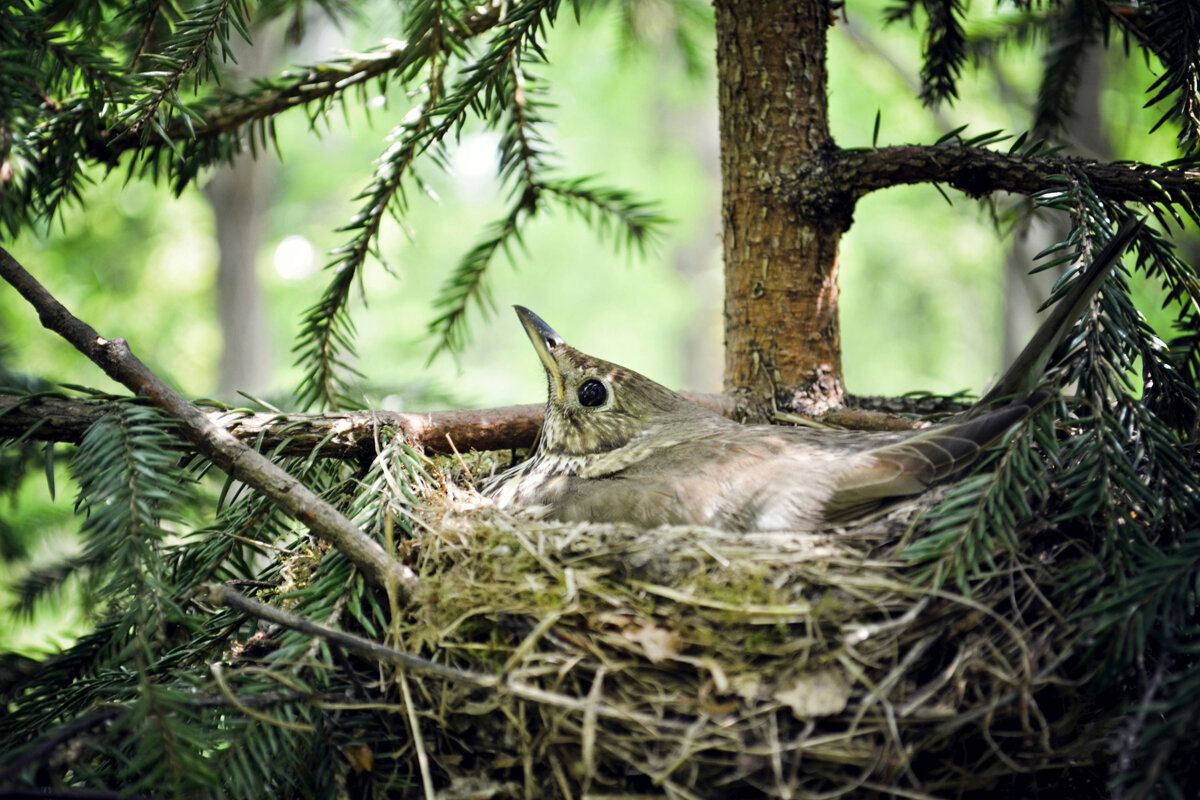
(242, 462)
(223, 595)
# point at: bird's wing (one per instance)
(767, 477)
(910, 465)
(1028, 367)
(734, 479)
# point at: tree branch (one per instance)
(978, 172)
(240, 461)
(311, 85)
(349, 434)
(221, 595)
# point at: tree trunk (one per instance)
(781, 320)
(239, 194)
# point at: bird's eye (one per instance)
(592, 393)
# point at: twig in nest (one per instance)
(219, 594)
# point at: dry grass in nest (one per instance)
(693, 663)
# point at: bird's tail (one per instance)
(910, 464)
(1027, 370)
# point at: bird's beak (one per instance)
(545, 340)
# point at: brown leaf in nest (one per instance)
(659, 644)
(815, 694)
(361, 758)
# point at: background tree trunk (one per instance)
(782, 342)
(240, 194)
(1024, 291)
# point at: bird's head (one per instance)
(595, 406)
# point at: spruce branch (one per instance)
(46, 158)
(1171, 33)
(945, 50)
(509, 90)
(466, 283)
(944, 44)
(488, 82)
(327, 331)
(188, 51)
(1072, 32)
(1129, 470)
(977, 172)
(221, 595)
(982, 517)
(150, 16)
(632, 223)
(226, 111)
(239, 460)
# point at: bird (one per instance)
(618, 447)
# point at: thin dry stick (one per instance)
(243, 463)
(222, 595)
(418, 742)
(218, 673)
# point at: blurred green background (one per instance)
(922, 281)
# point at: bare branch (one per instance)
(240, 461)
(978, 172)
(224, 595)
(340, 435)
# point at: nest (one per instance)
(694, 663)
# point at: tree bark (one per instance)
(782, 342)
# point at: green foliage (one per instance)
(93, 89)
(498, 89)
(132, 492)
(1172, 34)
(189, 50)
(19, 458)
(172, 118)
(977, 527)
(148, 691)
(630, 222)
(944, 47)
(1119, 483)
(1069, 27)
